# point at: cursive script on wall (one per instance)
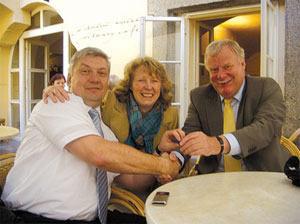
(108, 30)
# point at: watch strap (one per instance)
(221, 144)
(157, 150)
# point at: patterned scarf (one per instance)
(142, 131)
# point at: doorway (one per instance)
(245, 29)
(44, 58)
(42, 50)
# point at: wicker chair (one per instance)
(290, 146)
(6, 163)
(2, 121)
(295, 135)
(193, 170)
(127, 199)
(119, 196)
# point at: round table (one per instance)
(232, 197)
(7, 132)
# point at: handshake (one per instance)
(193, 144)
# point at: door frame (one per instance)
(276, 26)
(24, 84)
(29, 70)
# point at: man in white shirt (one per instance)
(53, 178)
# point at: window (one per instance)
(163, 39)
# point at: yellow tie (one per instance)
(230, 163)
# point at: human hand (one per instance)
(198, 143)
(53, 92)
(165, 178)
(173, 166)
(171, 139)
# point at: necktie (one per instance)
(101, 175)
(230, 163)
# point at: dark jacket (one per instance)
(260, 119)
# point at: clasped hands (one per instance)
(193, 144)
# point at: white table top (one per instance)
(237, 197)
(7, 132)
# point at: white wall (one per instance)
(112, 26)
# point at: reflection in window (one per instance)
(15, 59)
(37, 56)
(164, 45)
(35, 21)
(37, 85)
(15, 113)
(173, 71)
(51, 18)
(204, 41)
(15, 85)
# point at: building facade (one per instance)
(37, 38)
(267, 30)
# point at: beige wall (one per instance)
(12, 23)
(4, 59)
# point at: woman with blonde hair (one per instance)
(141, 105)
(139, 110)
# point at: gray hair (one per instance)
(214, 48)
(88, 51)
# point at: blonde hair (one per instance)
(154, 67)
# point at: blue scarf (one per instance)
(142, 131)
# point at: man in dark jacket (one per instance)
(258, 110)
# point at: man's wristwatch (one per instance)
(157, 150)
(221, 144)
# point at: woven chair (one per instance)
(119, 196)
(290, 146)
(6, 163)
(193, 170)
(295, 135)
(127, 199)
(2, 121)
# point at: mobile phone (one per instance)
(161, 198)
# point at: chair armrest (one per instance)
(127, 199)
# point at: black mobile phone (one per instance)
(161, 198)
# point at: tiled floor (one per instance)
(10, 147)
